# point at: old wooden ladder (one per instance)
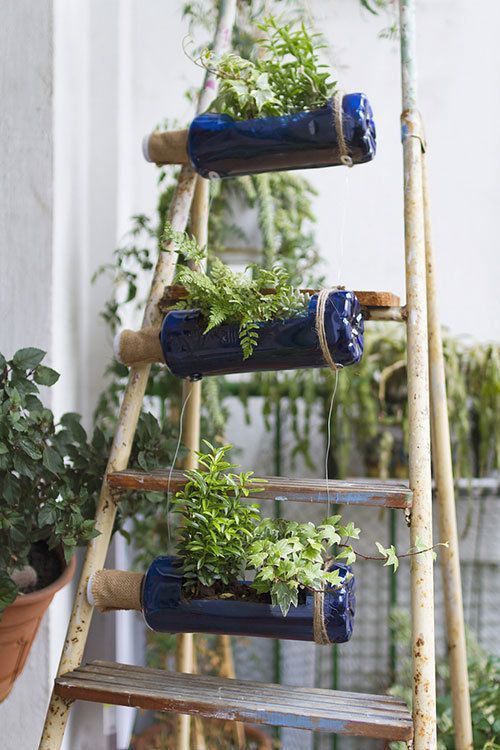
(373, 716)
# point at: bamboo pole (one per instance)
(227, 670)
(79, 624)
(443, 473)
(191, 397)
(422, 594)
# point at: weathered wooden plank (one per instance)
(130, 676)
(381, 717)
(386, 494)
(370, 299)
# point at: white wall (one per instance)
(120, 69)
(26, 207)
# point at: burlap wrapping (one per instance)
(139, 347)
(116, 589)
(168, 148)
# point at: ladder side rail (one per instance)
(79, 624)
(445, 492)
(422, 593)
(191, 397)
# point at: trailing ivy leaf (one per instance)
(45, 375)
(28, 359)
(390, 554)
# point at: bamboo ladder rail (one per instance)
(191, 397)
(422, 589)
(79, 624)
(445, 490)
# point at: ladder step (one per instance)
(372, 492)
(375, 305)
(375, 716)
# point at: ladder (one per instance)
(332, 711)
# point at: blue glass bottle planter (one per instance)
(219, 146)
(166, 610)
(282, 345)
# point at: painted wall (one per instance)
(119, 69)
(26, 213)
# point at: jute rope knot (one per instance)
(322, 299)
(319, 626)
(345, 157)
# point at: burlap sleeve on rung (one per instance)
(139, 347)
(168, 148)
(116, 589)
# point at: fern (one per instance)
(225, 296)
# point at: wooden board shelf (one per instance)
(370, 492)
(356, 714)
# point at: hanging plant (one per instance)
(300, 590)
(232, 322)
(277, 109)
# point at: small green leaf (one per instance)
(45, 375)
(28, 359)
(8, 591)
(52, 460)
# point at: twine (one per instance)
(322, 299)
(345, 157)
(319, 625)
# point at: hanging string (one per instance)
(174, 460)
(329, 442)
(343, 224)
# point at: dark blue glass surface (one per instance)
(219, 146)
(282, 345)
(167, 611)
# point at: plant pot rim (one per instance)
(23, 600)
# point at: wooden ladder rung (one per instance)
(370, 492)
(375, 716)
(375, 305)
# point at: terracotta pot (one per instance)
(19, 626)
(147, 740)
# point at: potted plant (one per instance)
(231, 322)
(276, 111)
(46, 480)
(298, 591)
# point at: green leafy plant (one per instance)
(216, 525)
(225, 296)
(484, 686)
(283, 76)
(220, 537)
(47, 472)
(289, 557)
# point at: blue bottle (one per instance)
(282, 344)
(219, 146)
(166, 610)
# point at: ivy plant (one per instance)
(47, 474)
(225, 296)
(290, 557)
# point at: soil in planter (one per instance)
(237, 591)
(47, 563)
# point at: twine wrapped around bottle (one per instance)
(345, 156)
(321, 302)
